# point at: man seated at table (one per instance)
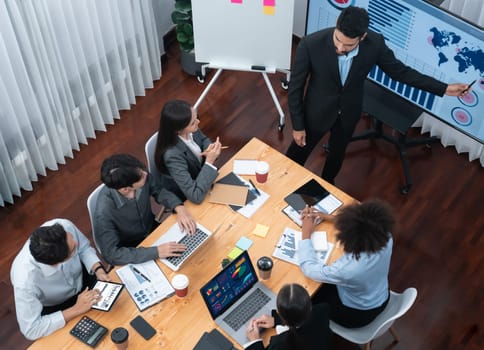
(50, 278)
(355, 285)
(123, 217)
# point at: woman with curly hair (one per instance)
(355, 285)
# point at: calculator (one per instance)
(89, 331)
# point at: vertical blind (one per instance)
(66, 69)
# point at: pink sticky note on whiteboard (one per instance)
(236, 1)
(269, 2)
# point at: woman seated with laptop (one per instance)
(306, 326)
(184, 155)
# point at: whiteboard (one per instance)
(239, 34)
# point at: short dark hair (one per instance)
(48, 244)
(353, 22)
(121, 170)
(175, 116)
(364, 227)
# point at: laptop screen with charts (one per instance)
(235, 296)
(192, 242)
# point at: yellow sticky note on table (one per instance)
(234, 253)
(261, 230)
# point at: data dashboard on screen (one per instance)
(430, 40)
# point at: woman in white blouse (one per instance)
(184, 155)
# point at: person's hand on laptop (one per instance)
(185, 220)
(265, 321)
(166, 250)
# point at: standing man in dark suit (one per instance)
(334, 63)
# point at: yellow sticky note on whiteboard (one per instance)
(261, 230)
(269, 10)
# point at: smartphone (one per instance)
(143, 327)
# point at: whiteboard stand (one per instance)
(256, 69)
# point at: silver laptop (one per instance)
(192, 242)
(235, 296)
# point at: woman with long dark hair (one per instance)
(306, 325)
(184, 155)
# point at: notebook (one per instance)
(192, 242)
(235, 296)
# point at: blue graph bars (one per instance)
(419, 97)
(392, 20)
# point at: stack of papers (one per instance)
(288, 245)
(255, 197)
(145, 283)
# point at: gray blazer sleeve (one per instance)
(178, 163)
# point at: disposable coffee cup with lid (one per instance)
(261, 172)
(265, 264)
(180, 283)
(119, 336)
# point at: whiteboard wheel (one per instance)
(284, 84)
(201, 79)
(280, 127)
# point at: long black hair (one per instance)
(175, 116)
(294, 308)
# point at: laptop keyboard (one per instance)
(192, 242)
(247, 309)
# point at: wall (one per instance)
(300, 8)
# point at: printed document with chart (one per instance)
(145, 283)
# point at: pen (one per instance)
(255, 188)
(139, 273)
(224, 147)
(470, 85)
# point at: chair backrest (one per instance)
(150, 147)
(397, 306)
(91, 205)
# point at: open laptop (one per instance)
(193, 242)
(235, 296)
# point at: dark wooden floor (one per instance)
(438, 241)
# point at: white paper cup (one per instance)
(180, 283)
(261, 172)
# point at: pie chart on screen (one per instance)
(341, 4)
(461, 116)
(470, 99)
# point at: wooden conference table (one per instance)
(180, 322)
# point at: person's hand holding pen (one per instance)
(459, 89)
(212, 152)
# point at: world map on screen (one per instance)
(451, 46)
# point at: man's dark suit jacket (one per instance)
(316, 58)
(315, 333)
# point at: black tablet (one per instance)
(109, 293)
(308, 194)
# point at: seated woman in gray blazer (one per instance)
(184, 155)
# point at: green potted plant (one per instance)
(182, 18)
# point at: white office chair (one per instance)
(150, 147)
(397, 306)
(91, 204)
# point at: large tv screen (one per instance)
(430, 40)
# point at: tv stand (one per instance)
(385, 107)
